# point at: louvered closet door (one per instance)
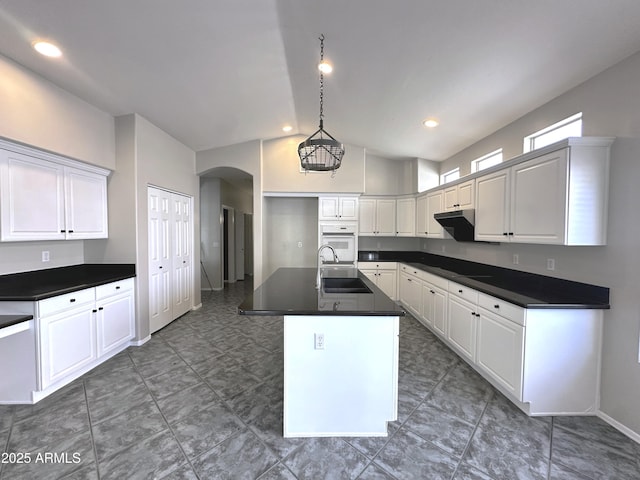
(160, 261)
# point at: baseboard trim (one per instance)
(619, 426)
(138, 343)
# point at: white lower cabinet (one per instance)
(500, 351)
(77, 331)
(67, 341)
(383, 274)
(545, 360)
(461, 325)
(115, 313)
(434, 303)
(411, 293)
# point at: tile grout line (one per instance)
(93, 441)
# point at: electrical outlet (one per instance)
(551, 264)
(45, 256)
(516, 259)
(319, 341)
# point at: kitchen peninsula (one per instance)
(340, 351)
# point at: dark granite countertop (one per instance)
(291, 291)
(40, 284)
(9, 320)
(524, 289)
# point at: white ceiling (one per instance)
(218, 72)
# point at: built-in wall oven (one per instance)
(342, 237)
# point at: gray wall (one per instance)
(611, 107)
(146, 156)
(37, 113)
(289, 221)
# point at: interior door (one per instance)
(160, 308)
(239, 245)
(181, 255)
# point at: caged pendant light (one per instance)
(321, 152)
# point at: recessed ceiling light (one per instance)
(287, 128)
(47, 49)
(325, 67)
(430, 123)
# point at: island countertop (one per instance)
(291, 291)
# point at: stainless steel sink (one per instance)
(344, 285)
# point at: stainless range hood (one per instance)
(458, 223)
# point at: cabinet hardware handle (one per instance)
(496, 306)
(408, 279)
(459, 291)
(101, 308)
(63, 231)
(511, 233)
(160, 266)
(70, 231)
(118, 287)
(72, 300)
(432, 291)
(94, 310)
(505, 233)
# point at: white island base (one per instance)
(340, 375)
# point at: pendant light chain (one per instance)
(321, 80)
(321, 152)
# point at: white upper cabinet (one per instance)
(406, 217)
(85, 204)
(460, 196)
(558, 197)
(338, 208)
(426, 206)
(44, 197)
(31, 198)
(377, 217)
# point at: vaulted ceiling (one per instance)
(218, 72)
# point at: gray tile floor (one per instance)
(203, 400)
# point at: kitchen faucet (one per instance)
(335, 259)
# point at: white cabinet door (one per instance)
(421, 216)
(115, 322)
(31, 198)
(411, 294)
(67, 343)
(386, 217)
(539, 199)
(328, 208)
(348, 208)
(435, 307)
(406, 217)
(501, 351)
(85, 204)
(367, 217)
(434, 205)
(461, 328)
(387, 281)
(492, 203)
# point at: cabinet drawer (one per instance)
(377, 265)
(434, 280)
(60, 303)
(504, 309)
(410, 270)
(461, 291)
(114, 288)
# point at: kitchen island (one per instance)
(340, 351)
